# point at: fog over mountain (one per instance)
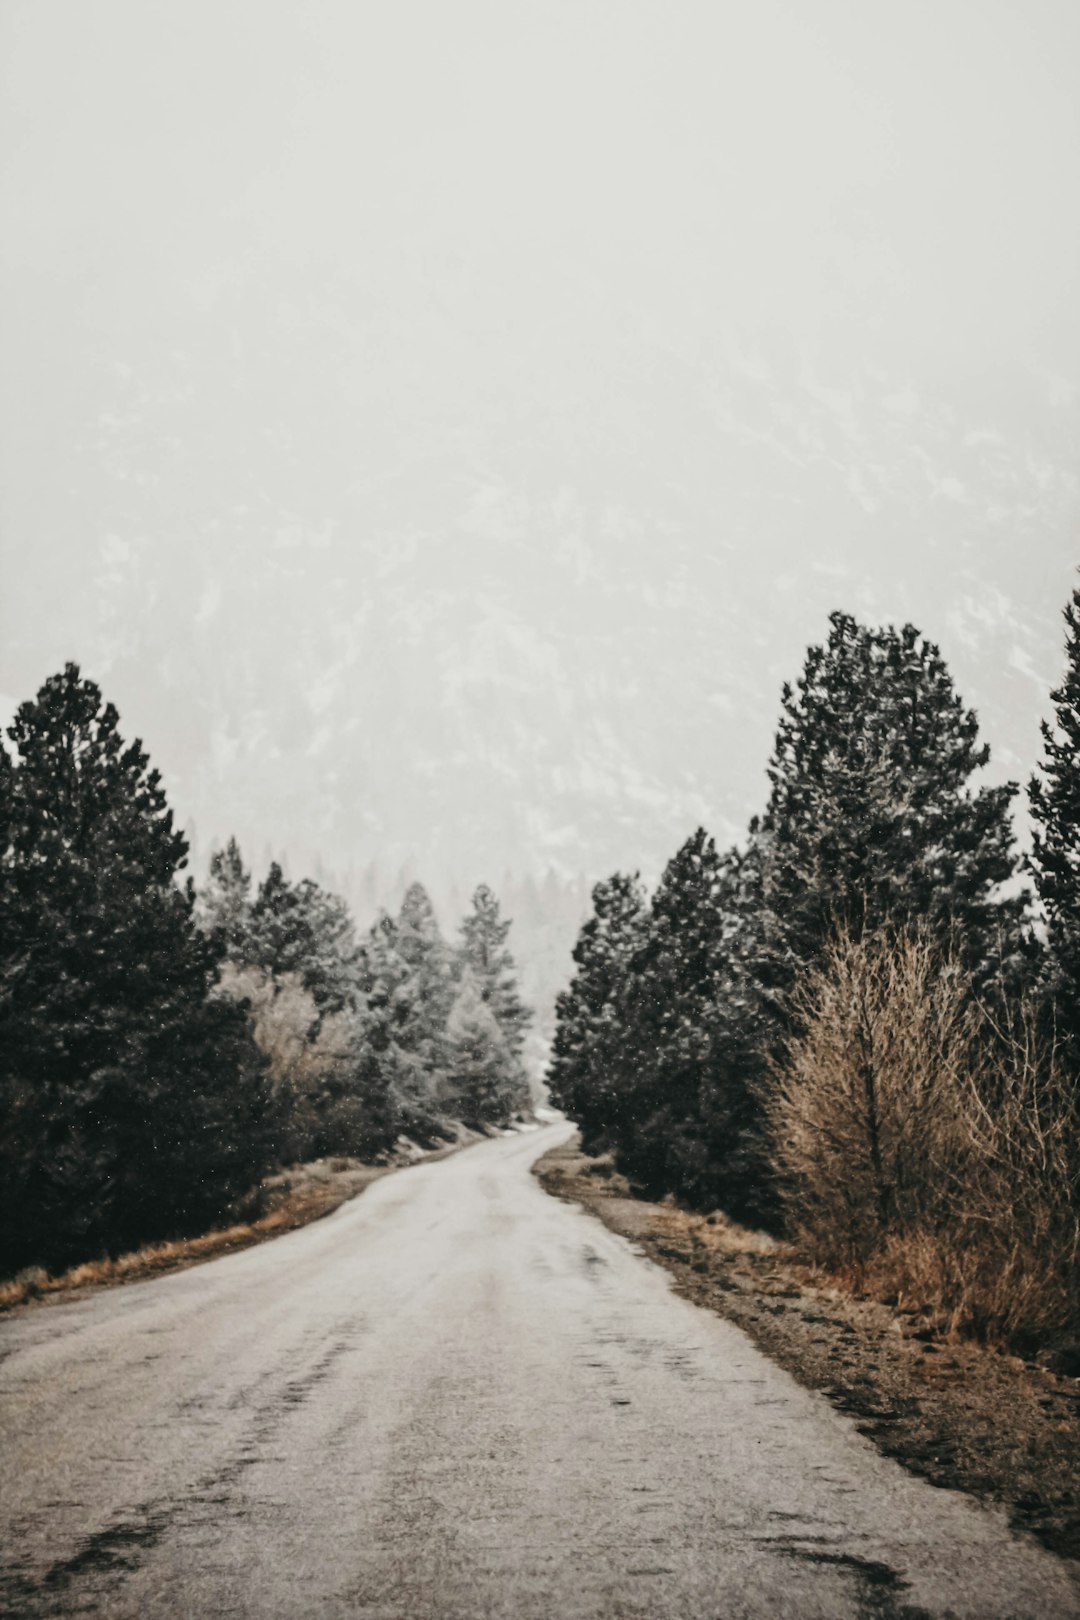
(441, 429)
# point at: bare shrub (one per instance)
(925, 1146)
(863, 1107)
(1015, 1214)
(308, 1054)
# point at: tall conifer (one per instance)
(224, 902)
(485, 1080)
(689, 1107)
(487, 955)
(587, 1072)
(1055, 807)
(875, 815)
(131, 1098)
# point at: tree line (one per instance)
(860, 1026)
(163, 1048)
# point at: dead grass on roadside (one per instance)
(578, 1177)
(722, 1236)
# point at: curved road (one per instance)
(457, 1398)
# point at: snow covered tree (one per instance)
(485, 1083)
(1055, 807)
(407, 992)
(132, 1101)
(300, 928)
(224, 902)
(587, 1076)
(487, 957)
(430, 966)
(355, 1035)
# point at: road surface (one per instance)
(457, 1398)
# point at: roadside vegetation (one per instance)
(164, 1052)
(860, 1030)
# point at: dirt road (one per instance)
(457, 1398)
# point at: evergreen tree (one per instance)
(874, 820)
(664, 1020)
(404, 1031)
(485, 1082)
(300, 928)
(1055, 808)
(224, 902)
(587, 1073)
(873, 817)
(278, 938)
(132, 1099)
(375, 1084)
(688, 1109)
(486, 955)
(430, 967)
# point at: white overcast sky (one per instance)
(872, 172)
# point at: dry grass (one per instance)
(294, 1198)
(720, 1236)
(563, 1170)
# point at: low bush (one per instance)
(927, 1147)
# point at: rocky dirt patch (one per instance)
(959, 1414)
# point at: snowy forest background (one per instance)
(164, 1045)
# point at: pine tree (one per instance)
(1055, 807)
(741, 1023)
(296, 964)
(372, 1083)
(488, 958)
(430, 965)
(404, 1024)
(485, 1083)
(587, 1076)
(132, 1099)
(224, 902)
(300, 928)
(688, 1109)
(664, 1036)
(873, 818)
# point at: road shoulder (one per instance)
(956, 1414)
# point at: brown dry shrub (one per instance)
(925, 1149)
(305, 1051)
(863, 1106)
(1014, 1230)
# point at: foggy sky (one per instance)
(375, 241)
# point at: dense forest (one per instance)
(861, 1027)
(163, 1048)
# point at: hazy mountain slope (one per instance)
(541, 622)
